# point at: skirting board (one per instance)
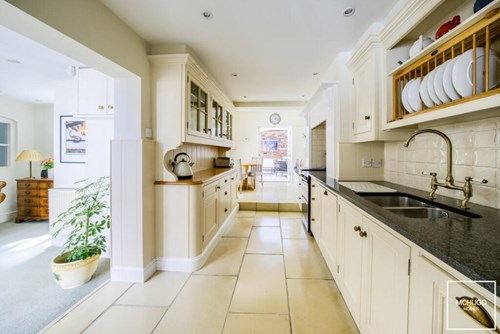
(133, 274)
(194, 263)
(8, 217)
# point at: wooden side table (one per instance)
(33, 199)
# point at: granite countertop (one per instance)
(471, 246)
(200, 177)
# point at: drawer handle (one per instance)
(362, 234)
(225, 193)
(357, 228)
(367, 118)
(110, 107)
(472, 306)
(218, 187)
(225, 210)
(312, 219)
(100, 107)
(313, 198)
(225, 181)
(27, 192)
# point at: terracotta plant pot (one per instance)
(72, 274)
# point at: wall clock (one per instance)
(275, 118)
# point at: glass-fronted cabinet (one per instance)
(198, 109)
(228, 125)
(216, 124)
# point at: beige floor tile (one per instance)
(245, 213)
(261, 286)
(200, 307)
(248, 206)
(303, 259)
(270, 205)
(267, 214)
(240, 323)
(159, 290)
(290, 214)
(293, 228)
(266, 221)
(240, 227)
(265, 240)
(86, 312)
(127, 319)
(317, 307)
(226, 257)
(289, 207)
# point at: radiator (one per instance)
(59, 201)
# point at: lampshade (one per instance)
(29, 155)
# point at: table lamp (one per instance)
(29, 155)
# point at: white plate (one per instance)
(404, 96)
(430, 87)
(447, 80)
(462, 72)
(414, 96)
(424, 93)
(438, 83)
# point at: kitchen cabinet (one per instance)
(433, 304)
(315, 209)
(189, 105)
(33, 199)
(328, 238)
(95, 94)
(373, 272)
(234, 190)
(228, 125)
(211, 200)
(224, 206)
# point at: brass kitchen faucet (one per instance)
(449, 182)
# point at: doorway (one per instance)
(275, 150)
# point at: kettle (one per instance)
(182, 166)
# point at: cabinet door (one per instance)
(234, 190)
(363, 102)
(228, 125)
(224, 205)
(92, 93)
(316, 209)
(350, 257)
(385, 281)
(329, 233)
(198, 118)
(210, 222)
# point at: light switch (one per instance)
(366, 163)
(376, 163)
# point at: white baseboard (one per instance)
(133, 274)
(194, 263)
(8, 217)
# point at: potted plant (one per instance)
(88, 218)
(46, 164)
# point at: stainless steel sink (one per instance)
(410, 206)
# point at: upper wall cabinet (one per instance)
(455, 75)
(95, 94)
(188, 105)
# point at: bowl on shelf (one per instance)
(480, 4)
(447, 26)
(424, 93)
(420, 44)
(462, 72)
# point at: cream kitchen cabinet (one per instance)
(224, 206)
(95, 94)
(188, 104)
(315, 209)
(433, 303)
(328, 238)
(210, 219)
(373, 272)
(234, 190)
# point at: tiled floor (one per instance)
(266, 275)
(272, 196)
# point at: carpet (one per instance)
(30, 298)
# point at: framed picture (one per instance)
(269, 145)
(73, 139)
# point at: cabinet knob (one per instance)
(100, 107)
(357, 228)
(225, 210)
(313, 199)
(362, 234)
(225, 193)
(313, 185)
(218, 187)
(325, 193)
(225, 181)
(367, 118)
(110, 107)
(472, 306)
(312, 219)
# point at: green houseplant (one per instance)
(87, 220)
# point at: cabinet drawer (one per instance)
(44, 193)
(210, 189)
(224, 181)
(27, 192)
(28, 201)
(30, 211)
(23, 185)
(44, 212)
(44, 202)
(46, 185)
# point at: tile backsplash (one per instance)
(201, 155)
(476, 153)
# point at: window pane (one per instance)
(4, 133)
(3, 156)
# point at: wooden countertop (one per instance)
(200, 177)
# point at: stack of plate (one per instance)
(450, 81)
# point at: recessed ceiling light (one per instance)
(14, 61)
(349, 11)
(234, 74)
(208, 14)
(315, 73)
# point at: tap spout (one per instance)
(449, 177)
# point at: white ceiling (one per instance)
(28, 70)
(274, 46)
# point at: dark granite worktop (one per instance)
(471, 246)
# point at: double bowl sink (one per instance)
(410, 206)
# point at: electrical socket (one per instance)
(376, 163)
(366, 163)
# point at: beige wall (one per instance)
(201, 155)
(476, 153)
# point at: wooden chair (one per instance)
(240, 174)
(256, 171)
(2, 195)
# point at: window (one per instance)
(4, 144)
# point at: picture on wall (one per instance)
(73, 139)
(269, 145)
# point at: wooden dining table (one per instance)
(246, 168)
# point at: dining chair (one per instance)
(241, 174)
(256, 171)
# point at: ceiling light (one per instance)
(208, 14)
(234, 74)
(349, 11)
(315, 73)
(14, 61)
